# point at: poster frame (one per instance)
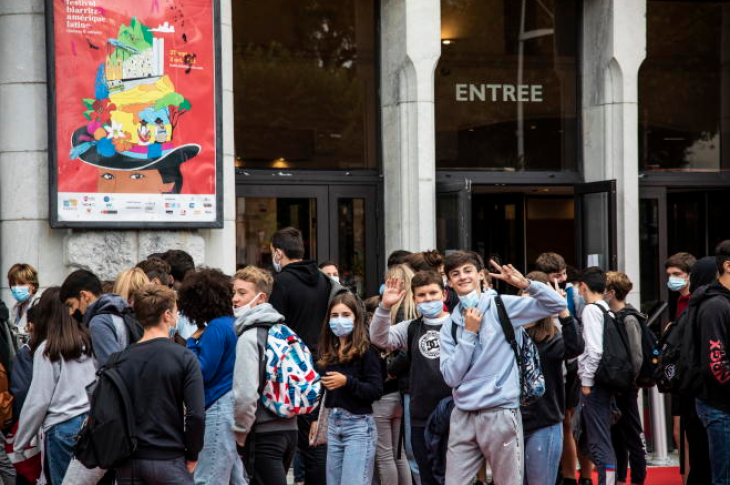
(55, 222)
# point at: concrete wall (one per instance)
(25, 233)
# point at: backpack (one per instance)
(436, 437)
(134, 328)
(669, 373)
(289, 384)
(532, 380)
(615, 372)
(649, 352)
(107, 437)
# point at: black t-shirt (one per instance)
(427, 386)
(364, 384)
(166, 387)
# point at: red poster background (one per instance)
(79, 52)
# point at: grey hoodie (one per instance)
(247, 414)
(108, 333)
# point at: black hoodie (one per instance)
(301, 293)
(714, 336)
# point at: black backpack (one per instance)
(134, 328)
(668, 351)
(107, 438)
(615, 372)
(645, 378)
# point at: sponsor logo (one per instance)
(430, 344)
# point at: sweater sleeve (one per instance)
(456, 357)
(542, 302)
(245, 384)
(386, 336)
(589, 361)
(633, 331)
(103, 338)
(368, 386)
(209, 349)
(572, 337)
(38, 400)
(194, 397)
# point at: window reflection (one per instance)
(304, 83)
(684, 91)
(506, 85)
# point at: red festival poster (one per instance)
(135, 125)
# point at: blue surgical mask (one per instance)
(20, 293)
(382, 289)
(341, 326)
(431, 309)
(470, 300)
(676, 283)
(171, 332)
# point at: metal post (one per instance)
(659, 428)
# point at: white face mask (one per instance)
(237, 312)
(276, 264)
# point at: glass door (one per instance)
(338, 223)
(453, 216)
(595, 214)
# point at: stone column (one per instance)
(410, 49)
(614, 46)
(25, 235)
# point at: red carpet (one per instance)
(658, 476)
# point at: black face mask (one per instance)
(563, 285)
(78, 316)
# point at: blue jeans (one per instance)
(412, 463)
(351, 442)
(717, 424)
(543, 448)
(60, 440)
(219, 462)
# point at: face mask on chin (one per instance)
(78, 316)
(239, 311)
(276, 263)
(469, 300)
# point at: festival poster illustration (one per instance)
(135, 104)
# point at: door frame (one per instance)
(607, 187)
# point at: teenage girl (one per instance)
(351, 374)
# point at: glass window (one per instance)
(305, 95)
(684, 92)
(351, 244)
(506, 85)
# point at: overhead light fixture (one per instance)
(280, 163)
(447, 41)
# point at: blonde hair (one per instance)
(261, 279)
(129, 281)
(407, 305)
(619, 283)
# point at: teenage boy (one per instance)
(102, 313)
(678, 267)
(627, 435)
(481, 368)
(427, 386)
(301, 294)
(166, 389)
(267, 442)
(595, 399)
(713, 403)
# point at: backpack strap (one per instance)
(262, 336)
(414, 326)
(453, 333)
(508, 329)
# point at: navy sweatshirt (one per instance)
(364, 384)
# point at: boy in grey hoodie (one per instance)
(266, 441)
(481, 368)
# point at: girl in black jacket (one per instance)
(543, 421)
(351, 371)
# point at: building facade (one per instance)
(593, 128)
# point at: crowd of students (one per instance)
(438, 379)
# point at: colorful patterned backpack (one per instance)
(289, 385)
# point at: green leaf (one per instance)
(88, 102)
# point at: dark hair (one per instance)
(205, 295)
(156, 268)
(151, 301)
(594, 278)
(330, 351)
(425, 261)
(328, 263)
(181, 263)
(425, 278)
(371, 304)
(65, 338)
(78, 281)
(619, 283)
(703, 273)
(550, 263)
(289, 240)
(397, 257)
(683, 261)
(107, 286)
(722, 254)
(573, 274)
(543, 329)
(460, 258)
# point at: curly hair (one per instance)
(425, 261)
(331, 351)
(205, 295)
